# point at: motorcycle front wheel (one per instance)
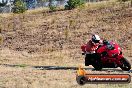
(126, 66)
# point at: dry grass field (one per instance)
(35, 43)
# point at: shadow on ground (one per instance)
(76, 68)
(67, 68)
(59, 68)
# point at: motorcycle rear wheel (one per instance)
(97, 65)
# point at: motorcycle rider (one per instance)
(90, 48)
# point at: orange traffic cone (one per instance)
(81, 71)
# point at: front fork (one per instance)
(119, 57)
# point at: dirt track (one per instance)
(54, 39)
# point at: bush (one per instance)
(52, 8)
(71, 4)
(52, 5)
(19, 6)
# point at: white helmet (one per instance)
(95, 38)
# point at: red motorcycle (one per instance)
(110, 57)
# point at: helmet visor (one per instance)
(95, 41)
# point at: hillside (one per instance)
(53, 39)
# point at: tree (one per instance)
(131, 3)
(50, 3)
(3, 3)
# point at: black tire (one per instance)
(126, 66)
(81, 80)
(86, 62)
(97, 65)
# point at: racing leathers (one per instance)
(89, 50)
